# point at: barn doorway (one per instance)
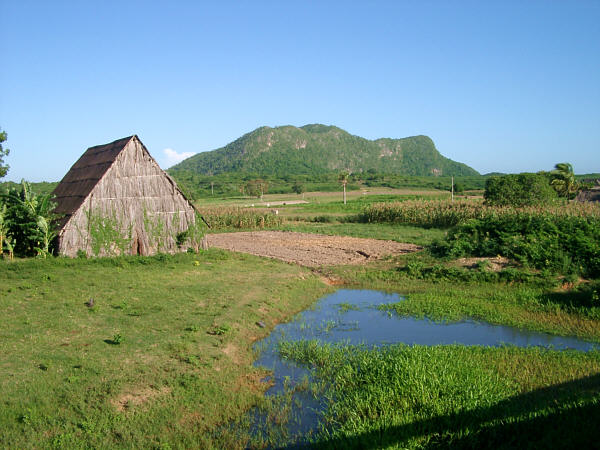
(137, 245)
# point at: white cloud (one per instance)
(172, 157)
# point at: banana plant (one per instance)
(3, 228)
(47, 235)
(10, 243)
(28, 219)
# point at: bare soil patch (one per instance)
(233, 353)
(496, 263)
(311, 250)
(138, 397)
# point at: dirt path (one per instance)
(306, 249)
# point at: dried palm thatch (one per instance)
(117, 200)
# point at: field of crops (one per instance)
(238, 218)
(445, 213)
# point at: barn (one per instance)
(116, 200)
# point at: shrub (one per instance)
(564, 244)
(324, 219)
(524, 189)
(440, 272)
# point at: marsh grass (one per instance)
(345, 307)
(452, 396)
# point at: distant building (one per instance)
(117, 200)
(590, 195)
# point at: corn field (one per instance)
(445, 213)
(240, 218)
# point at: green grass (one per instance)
(164, 357)
(453, 396)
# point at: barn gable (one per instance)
(117, 200)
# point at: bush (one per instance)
(564, 244)
(438, 272)
(324, 219)
(525, 189)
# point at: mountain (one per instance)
(314, 149)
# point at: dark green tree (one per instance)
(298, 187)
(257, 188)
(458, 187)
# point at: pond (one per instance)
(354, 317)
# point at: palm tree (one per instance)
(563, 180)
(343, 178)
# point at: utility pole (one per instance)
(212, 192)
(452, 188)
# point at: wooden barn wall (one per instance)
(138, 194)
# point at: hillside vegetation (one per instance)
(319, 149)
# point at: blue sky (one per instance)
(501, 86)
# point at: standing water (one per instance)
(354, 317)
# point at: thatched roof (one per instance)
(85, 174)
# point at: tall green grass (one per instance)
(453, 396)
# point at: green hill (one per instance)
(314, 149)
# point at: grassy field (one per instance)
(320, 197)
(163, 358)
